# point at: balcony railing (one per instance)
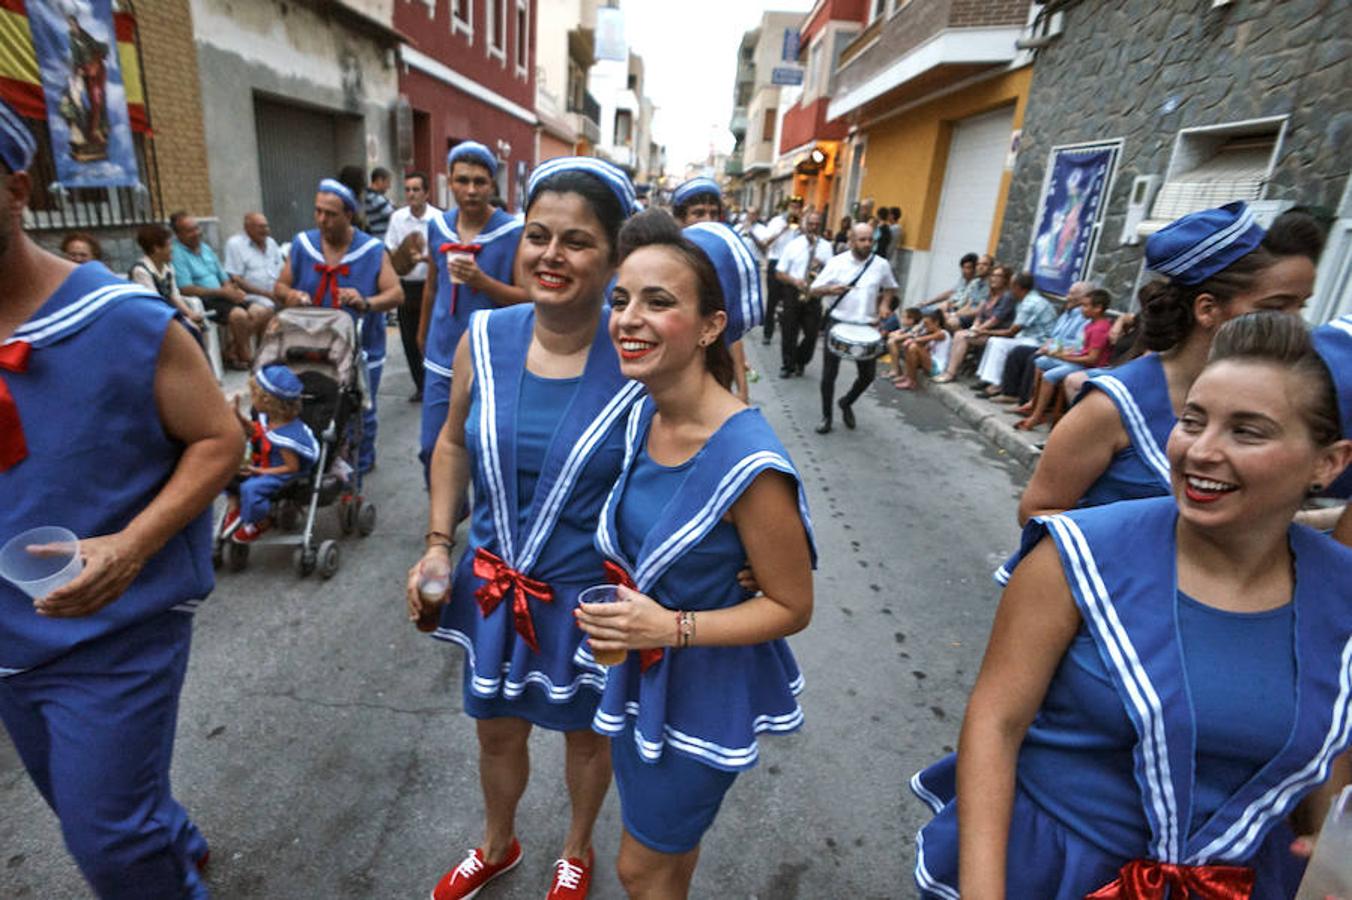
(733, 167)
(589, 108)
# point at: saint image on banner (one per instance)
(1072, 207)
(77, 53)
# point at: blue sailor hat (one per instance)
(17, 146)
(695, 187)
(738, 275)
(279, 381)
(610, 175)
(1333, 343)
(1193, 248)
(338, 189)
(475, 152)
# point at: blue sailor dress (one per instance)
(1140, 391)
(688, 559)
(90, 701)
(497, 240)
(359, 269)
(514, 590)
(257, 491)
(1101, 784)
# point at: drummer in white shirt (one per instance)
(857, 284)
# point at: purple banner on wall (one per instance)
(1071, 209)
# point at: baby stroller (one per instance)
(323, 348)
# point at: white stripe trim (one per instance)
(1002, 574)
(5, 673)
(304, 240)
(498, 232)
(72, 315)
(444, 227)
(489, 688)
(1277, 800)
(1141, 692)
(928, 797)
(1134, 420)
(1180, 262)
(354, 254)
(734, 757)
(312, 448)
(1343, 324)
(488, 436)
(927, 881)
(433, 367)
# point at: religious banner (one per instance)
(76, 47)
(1073, 200)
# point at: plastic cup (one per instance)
(434, 580)
(603, 593)
(1329, 873)
(455, 257)
(40, 560)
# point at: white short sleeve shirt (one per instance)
(861, 303)
(402, 224)
(794, 262)
(259, 267)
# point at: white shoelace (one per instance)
(569, 876)
(471, 864)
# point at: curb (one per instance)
(988, 420)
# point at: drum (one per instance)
(851, 341)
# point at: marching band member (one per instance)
(111, 425)
(706, 486)
(472, 249)
(338, 265)
(1165, 678)
(543, 443)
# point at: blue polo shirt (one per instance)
(201, 269)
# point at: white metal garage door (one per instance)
(976, 160)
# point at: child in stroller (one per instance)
(282, 446)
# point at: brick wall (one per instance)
(985, 13)
(169, 59)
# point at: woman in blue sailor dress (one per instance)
(1138, 731)
(128, 456)
(543, 443)
(472, 249)
(706, 486)
(1333, 342)
(338, 265)
(1217, 264)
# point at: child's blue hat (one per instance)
(279, 381)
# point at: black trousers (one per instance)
(802, 322)
(409, 312)
(865, 371)
(1017, 378)
(774, 290)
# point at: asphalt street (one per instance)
(322, 750)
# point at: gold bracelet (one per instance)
(687, 628)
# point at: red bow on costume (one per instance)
(1146, 879)
(13, 447)
(262, 447)
(328, 283)
(472, 250)
(617, 575)
(499, 578)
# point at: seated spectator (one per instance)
(893, 321)
(1094, 352)
(927, 352)
(965, 305)
(80, 247)
(1123, 347)
(200, 274)
(994, 316)
(908, 326)
(1032, 327)
(154, 271)
(253, 260)
(1016, 382)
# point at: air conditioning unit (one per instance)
(1143, 190)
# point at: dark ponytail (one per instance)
(656, 228)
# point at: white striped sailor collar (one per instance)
(309, 445)
(77, 303)
(720, 472)
(362, 244)
(1146, 663)
(498, 224)
(602, 398)
(1146, 411)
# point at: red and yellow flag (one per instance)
(21, 82)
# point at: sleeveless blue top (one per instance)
(363, 260)
(498, 238)
(97, 456)
(665, 528)
(1140, 392)
(295, 436)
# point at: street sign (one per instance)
(789, 51)
(786, 75)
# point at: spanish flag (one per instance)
(21, 83)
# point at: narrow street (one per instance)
(321, 745)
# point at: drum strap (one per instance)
(853, 281)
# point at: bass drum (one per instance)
(849, 340)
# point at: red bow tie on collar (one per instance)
(1146, 879)
(499, 578)
(13, 447)
(262, 447)
(472, 250)
(616, 575)
(328, 283)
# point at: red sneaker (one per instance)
(250, 532)
(231, 517)
(572, 878)
(468, 878)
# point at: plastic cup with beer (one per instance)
(40, 560)
(603, 593)
(1329, 873)
(434, 580)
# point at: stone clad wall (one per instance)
(1120, 66)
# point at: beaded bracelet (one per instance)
(685, 628)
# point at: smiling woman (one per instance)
(1159, 697)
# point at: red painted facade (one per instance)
(444, 113)
(807, 123)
